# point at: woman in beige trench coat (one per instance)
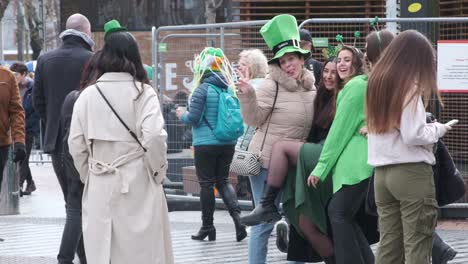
(125, 216)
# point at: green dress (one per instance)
(344, 156)
(298, 198)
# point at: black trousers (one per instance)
(57, 164)
(72, 238)
(3, 159)
(212, 167)
(24, 170)
(351, 246)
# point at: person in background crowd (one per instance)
(125, 214)
(311, 64)
(400, 148)
(213, 156)
(58, 72)
(344, 156)
(254, 65)
(11, 120)
(25, 85)
(289, 118)
(73, 235)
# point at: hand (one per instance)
(443, 128)
(363, 131)
(243, 85)
(313, 181)
(19, 152)
(179, 112)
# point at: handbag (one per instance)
(249, 163)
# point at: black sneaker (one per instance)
(282, 235)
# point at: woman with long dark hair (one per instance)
(125, 216)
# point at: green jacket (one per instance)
(344, 153)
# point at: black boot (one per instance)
(207, 201)
(241, 233)
(266, 211)
(329, 260)
(205, 231)
(441, 251)
(226, 190)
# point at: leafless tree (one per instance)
(35, 25)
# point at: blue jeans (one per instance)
(259, 234)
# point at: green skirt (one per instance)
(300, 199)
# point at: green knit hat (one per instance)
(113, 26)
(281, 34)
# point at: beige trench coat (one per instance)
(125, 216)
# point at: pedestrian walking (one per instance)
(213, 153)
(12, 120)
(57, 74)
(26, 85)
(118, 144)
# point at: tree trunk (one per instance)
(20, 29)
(35, 25)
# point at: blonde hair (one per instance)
(257, 62)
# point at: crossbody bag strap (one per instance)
(269, 119)
(120, 119)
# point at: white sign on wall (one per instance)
(452, 65)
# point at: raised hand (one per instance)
(244, 85)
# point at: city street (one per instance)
(34, 235)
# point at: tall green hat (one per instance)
(112, 26)
(281, 34)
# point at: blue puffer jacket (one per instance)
(204, 104)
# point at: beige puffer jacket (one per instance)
(293, 113)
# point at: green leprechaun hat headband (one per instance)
(281, 35)
(113, 26)
(212, 60)
(332, 51)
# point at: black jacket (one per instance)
(32, 118)
(316, 67)
(75, 187)
(57, 73)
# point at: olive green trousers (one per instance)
(407, 208)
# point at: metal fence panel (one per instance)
(174, 48)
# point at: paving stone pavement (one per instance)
(34, 235)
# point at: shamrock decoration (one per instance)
(339, 38)
(375, 23)
(357, 34)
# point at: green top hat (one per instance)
(281, 34)
(113, 26)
